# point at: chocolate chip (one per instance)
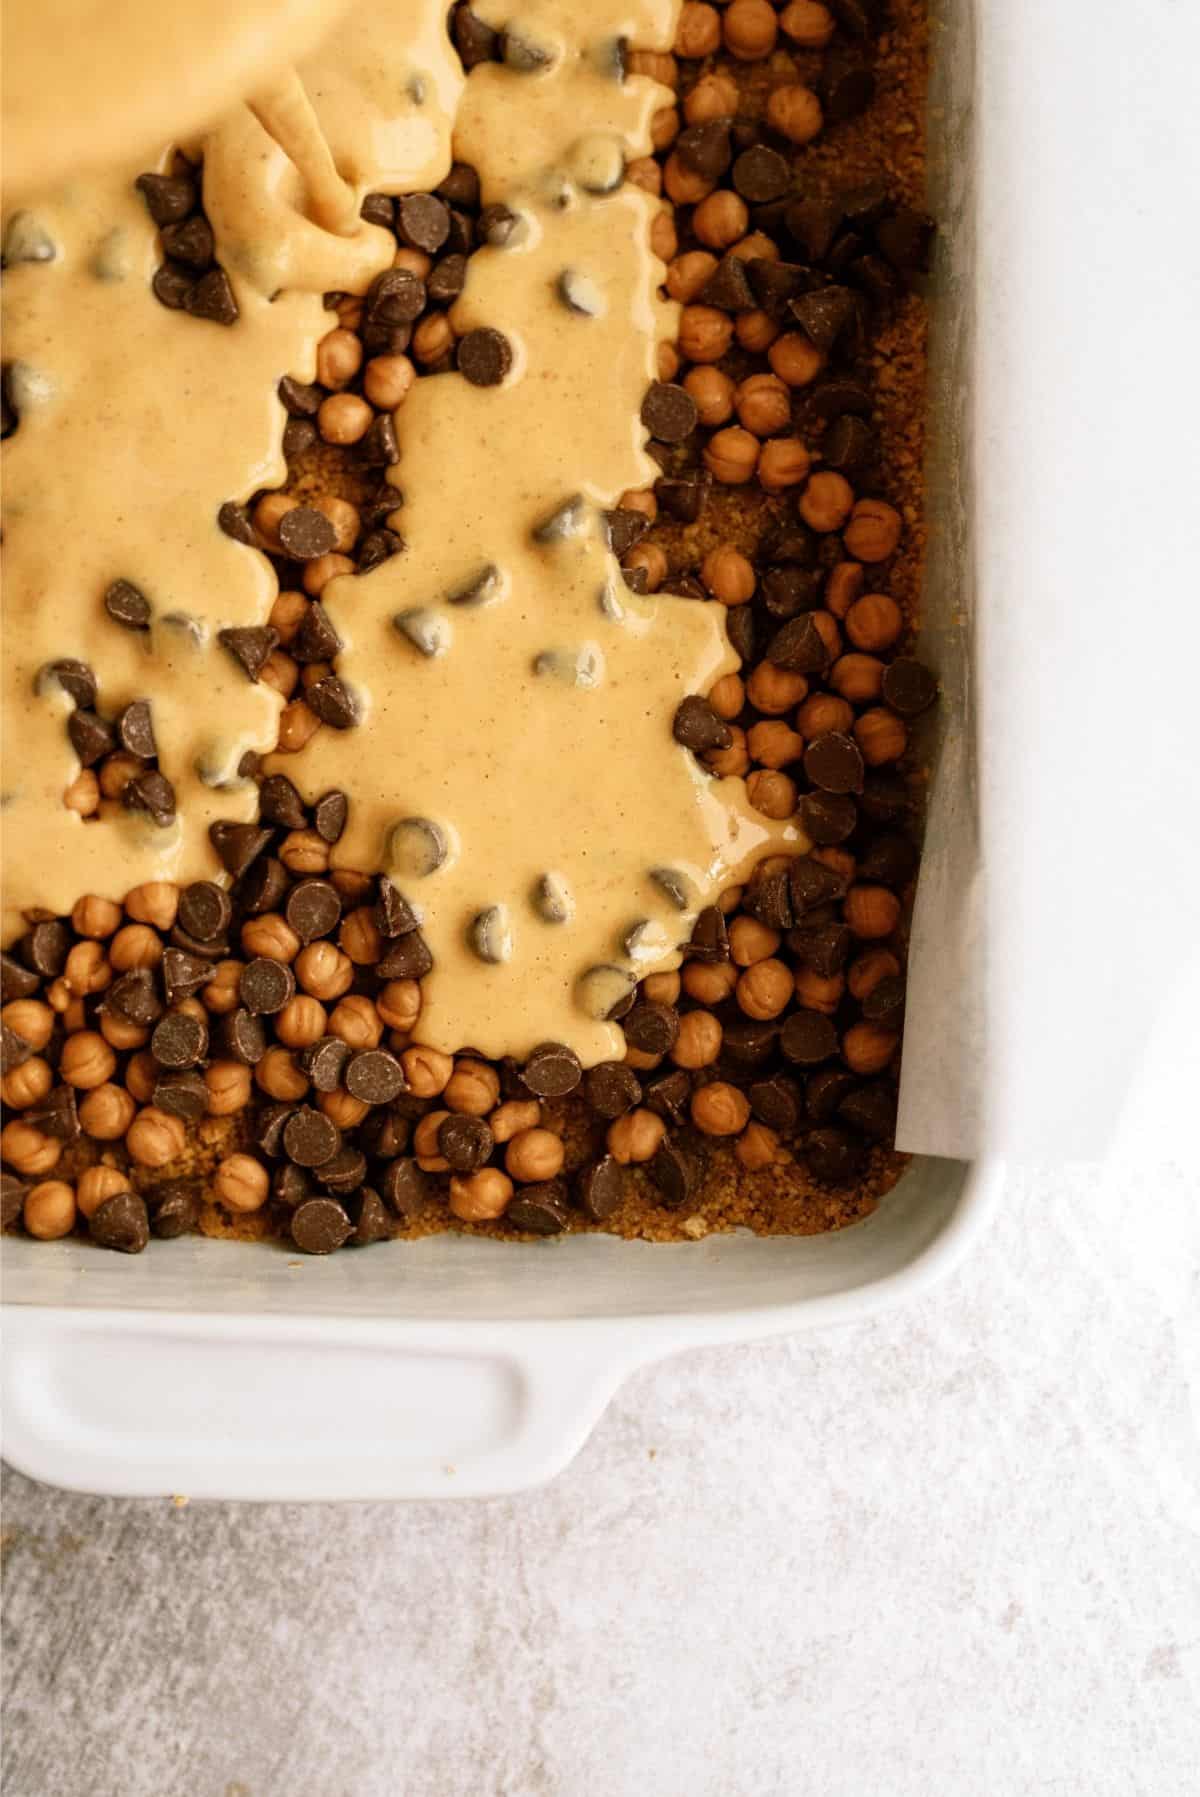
(684, 499)
(280, 803)
(748, 1046)
(761, 175)
(344, 1172)
(190, 242)
(121, 1223)
(484, 357)
(182, 1095)
(669, 1096)
(394, 916)
(675, 1171)
(891, 859)
(17, 981)
(824, 947)
(234, 520)
(812, 222)
(384, 1134)
(179, 1040)
(841, 397)
(265, 986)
(12, 1199)
(768, 899)
(811, 883)
(697, 726)
(169, 198)
(490, 935)
(329, 815)
(669, 412)
(238, 845)
(323, 1062)
(263, 887)
(906, 239)
(624, 528)
(799, 647)
(825, 1090)
(306, 533)
(651, 1028)
(447, 279)
(885, 797)
(378, 448)
(552, 900)
(828, 817)
(334, 703)
(74, 677)
(807, 1038)
(478, 589)
(791, 544)
(824, 314)
(46, 947)
(523, 53)
(314, 908)
(908, 687)
(91, 737)
(14, 1050)
(290, 1185)
(309, 1138)
(409, 959)
(316, 639)
(496, 225)
(172, 286)
(849, 445)
(710, 937)
(871, 1109)
(377, 547)
(847, 89)
(885, 1002)
(777, 1102)
(153, 793)
(301, 399)
(705, 149)
(539, 1209)
(371, 1222)
(728, 287)
(775, 284)
(579, 293)
(135, 1000)
(834, 763)
(739, 628)
(135, 730)
(788, 591)
(422, 221)
(374, 1076)
(460, 187)
(552, 1070)
(474, 40)
(612, 1088)
(377, 209)
(242, 1037)
(183, 974)
(465, 1142)
(599, 1188)
(56, 1115)
(834, 1156)
(127, 605)
(319, 1225)
(205, 910)
(269, 1126)
(298, 437)
(406, 1187)
(213, 298)
(250, 646)
(395, 299)
(175, 1208)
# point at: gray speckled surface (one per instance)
(953, 1550)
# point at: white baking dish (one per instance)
(460, 1367)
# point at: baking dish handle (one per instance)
(144, 1405)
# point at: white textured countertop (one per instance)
(954, 1550)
